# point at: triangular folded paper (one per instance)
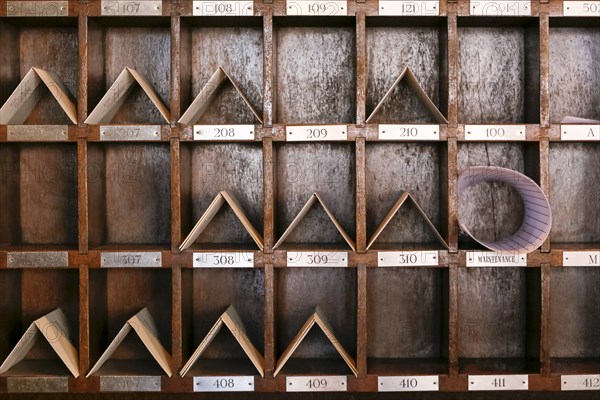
(25, 97)
(403, 198)
(118, 93)
(315, 197)
(208, 94)
(416, 87)
(143, 324)
(55, 329)
(233, 322)
(210, 213)
(319, 318)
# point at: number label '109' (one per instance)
(223, 384)
(223, 132)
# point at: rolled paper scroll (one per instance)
(538, 217)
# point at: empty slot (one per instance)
(416, 168)
(27, 295)
(129, 194)
(141, 44)
(328, 169)
(117, 295)
(318, 87)
(575, 186)
(206, 170)
(574, 328)
(499, 79)
(392, 44)
(299, 291)
(38, 196)
(237, 47)
(407, 321)
(499, 320)
(207, 294)
(50, 44)
(494, 210)
(574, 81)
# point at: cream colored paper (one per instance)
(208, 94)
(143, 324)
(418, 90)
(114, 98)
(25, 97)
(231, 319)
(401, 200)
(55, 329)
(318, 317)
(214, 207)
(314, 198)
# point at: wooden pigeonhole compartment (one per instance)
(264, 196)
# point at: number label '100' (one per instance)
(494, 132)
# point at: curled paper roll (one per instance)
(538, 217)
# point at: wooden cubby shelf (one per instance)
(277, 196)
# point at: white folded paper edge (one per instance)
(576, 120)
(538, 217)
